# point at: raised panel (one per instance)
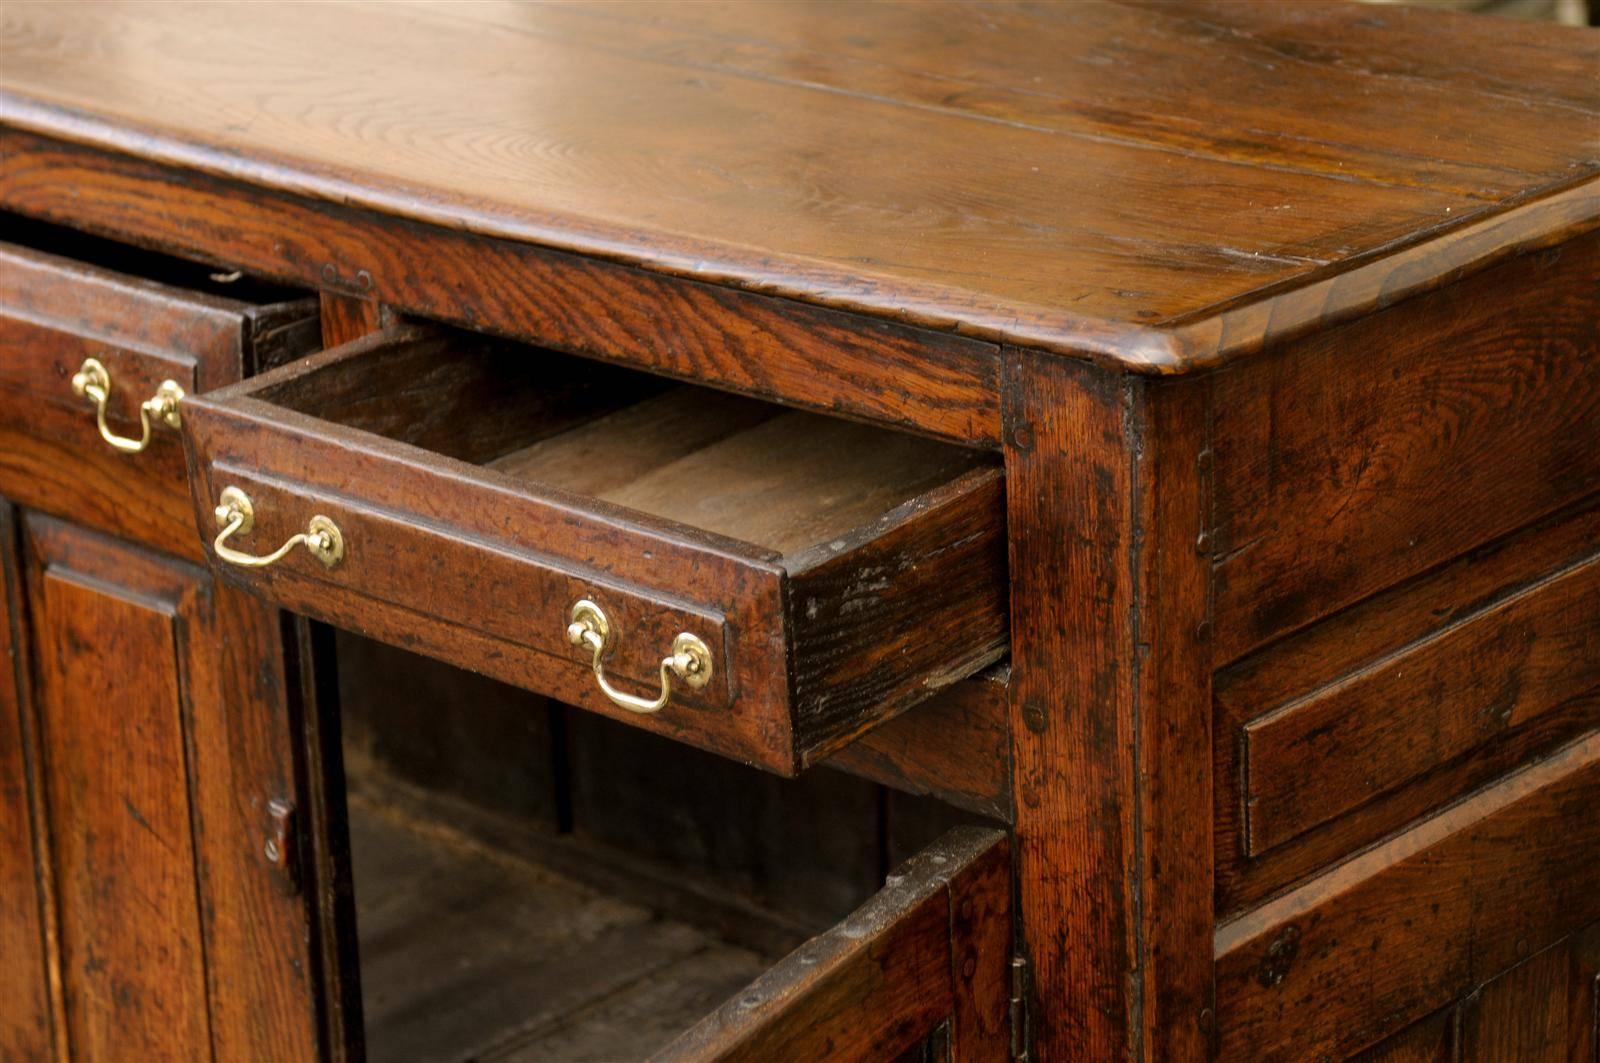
(1495, 671)
(114, 778)
(24, 973)
(1352, 957)
(1345, 732)
(1368, 453)
(167, 726)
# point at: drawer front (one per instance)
(443, 554)
(517, 591)
(55, 316)
(931, 952)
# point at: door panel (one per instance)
(24, 973)
(114, 764)
(1542, 1011)
(167, 734)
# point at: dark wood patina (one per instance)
(1231, 370)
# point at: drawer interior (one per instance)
(833, 573)
(784, 481)
(143, 263)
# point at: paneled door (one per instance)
(167, 914)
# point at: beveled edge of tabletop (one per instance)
(1213, 336)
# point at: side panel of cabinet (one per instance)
(24, 966)
(1543, 1011)
(165, 737)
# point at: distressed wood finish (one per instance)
(930, 949)
(27, 981)
(956, 747)
(1370, 453)
(1547, 1010)
(178, 937)
(1110, 695)
(1354, 955)
(807, 356)
(54, 313)
(345, 318)
(880, 581)
(1299, 736)
(1541, 1011)
(664, 152)
(114, 786)
(1532, 690)
(1327, 753)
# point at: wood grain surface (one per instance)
(151, 320)
(132, 961)
(1110, 707)
(27, 941)
(888, 587)
(468, 953)
(956, 747)
(1328, 752)
(1404, 928)
(1446, 737)
(932, 946)
(178, 938)
(1135, 180)
(1369, 453)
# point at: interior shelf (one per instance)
(472, 954)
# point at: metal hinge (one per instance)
(280, 848)
(1021, 1016)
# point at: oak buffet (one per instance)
(1165, 438)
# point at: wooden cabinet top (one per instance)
(1159, 186)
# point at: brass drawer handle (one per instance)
(689, 661)
(93, 382)
(236, 516)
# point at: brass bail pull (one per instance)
(689, 661)
(92, 381)
(236, 516)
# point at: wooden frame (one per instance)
(1255, 492)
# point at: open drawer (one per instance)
(100, 342)
(760, 582)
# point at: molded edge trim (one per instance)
(1375, 279)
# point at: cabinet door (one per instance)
(166, 761)
(24, 972)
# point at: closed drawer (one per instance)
(154, 326)
(787, 580)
